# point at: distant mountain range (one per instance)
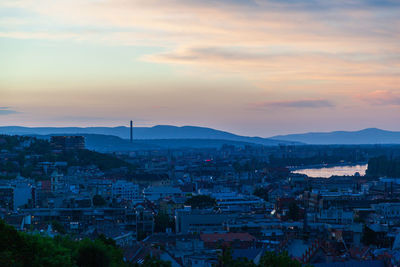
(166, 136)
(156, 132)
(366, 136)
(161, 136)
(110, 143)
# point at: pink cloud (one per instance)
(381, 97)
(302, 103)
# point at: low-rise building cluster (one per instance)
(186, 206)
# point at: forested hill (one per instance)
(22, 249)
(160, 132)
(21, 155)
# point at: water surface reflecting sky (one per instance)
(338, 170)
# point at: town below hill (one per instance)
(229, 205)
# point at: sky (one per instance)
(252, 67)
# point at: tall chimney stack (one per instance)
(131, 131)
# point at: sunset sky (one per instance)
(255, 67)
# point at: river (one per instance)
(327, 172)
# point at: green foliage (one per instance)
(84, 157)
(93, 254)
(107, 240)
(261, 192)
(24, 160)
(40, 147)
(57, 226)
(21, 249)
(201, 202)
(8, 142)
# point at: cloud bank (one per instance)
(7, 111)
(305, 103)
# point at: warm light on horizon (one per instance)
(258, 68)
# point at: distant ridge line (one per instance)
(148, 133)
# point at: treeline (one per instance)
(25, 160)
(86, 157)
(22, 249)
(8, 142)
(19, 249)
(382, 166)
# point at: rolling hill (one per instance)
(366, 136)
(110, 143)
(159, 132)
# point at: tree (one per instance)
(107, 240)
(201, 202)
(57, 226)
(93, 254)
(22, 249)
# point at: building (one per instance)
(388, 212)
(235, 240)
(337, 216)
(155, 193)
(197, 221)
(144, 221)
(125, 191)
(232, 201)
(57, 181)
(7, 197)
(16, 194)
(23, 193)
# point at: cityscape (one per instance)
(221, 205)
(191, 133)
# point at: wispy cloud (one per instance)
(7, 111)
(95, 119)
(381, 97)
(302, 103)
(308, 51)
(283, 62)
(325, 37)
